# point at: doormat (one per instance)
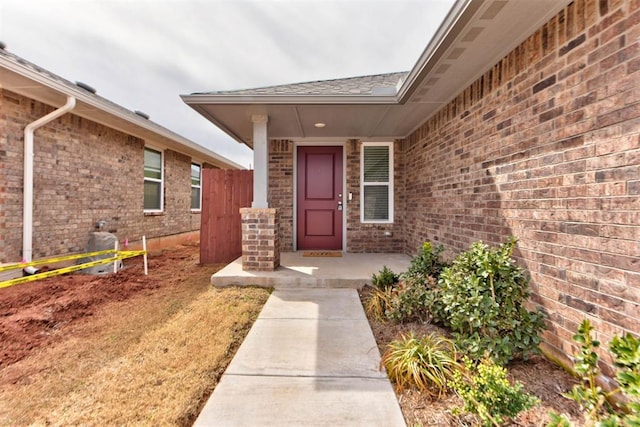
(331, 254)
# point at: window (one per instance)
(152, 180)
(376, 182)
(196, 173)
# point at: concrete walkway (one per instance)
(297, 271)
(310, 359)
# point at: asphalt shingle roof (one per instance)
(380, 84)
(70, 85)
(134, 117)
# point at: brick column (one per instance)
(260, 239)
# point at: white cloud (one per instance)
(143, 54)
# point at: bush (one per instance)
(480, 297)
(426, 263)
(426, 363)
(411, 300)
(488, 393)
(590, 396)
(385, 278)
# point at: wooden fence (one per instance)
(224, 192)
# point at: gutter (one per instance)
(27, 218)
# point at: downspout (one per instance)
(27, 216)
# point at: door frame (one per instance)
(345, 199)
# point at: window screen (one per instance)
(377, 182)
(152, 180)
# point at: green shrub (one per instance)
(426, 363)
(480, 297)
(590, 396)
(385, 278)
(488, 393)
(411, 300)
(426, 263)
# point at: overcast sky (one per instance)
(142, 54)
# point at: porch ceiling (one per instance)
(475, 35)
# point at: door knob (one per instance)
(339, 205)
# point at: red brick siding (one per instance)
(371, 237)
(360, 237)
(84, 172)
(260, 239)
(281, 188)
(545, 146)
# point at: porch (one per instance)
(351, 270)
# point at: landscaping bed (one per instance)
(540, 377)
(460, 344)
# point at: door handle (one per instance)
(340, 205)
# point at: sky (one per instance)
(143, 54)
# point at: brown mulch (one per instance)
(539, 376)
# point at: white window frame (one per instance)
(388, 183)
(161, 180)
(199, 187)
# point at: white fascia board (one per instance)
(227, 99)
(437, 45)
(113, 109)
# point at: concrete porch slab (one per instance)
(297, 271)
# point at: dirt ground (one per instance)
(539, 376)
(34, 314)
(123, 349)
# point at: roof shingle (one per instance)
(379, 84)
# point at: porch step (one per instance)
(297, 271)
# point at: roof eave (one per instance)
(117, 111)
(219, 124)
(227, 99)
(459, 15)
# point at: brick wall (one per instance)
(371, 237)
(281, 188)
(84, 172)
(360, 237)
(545, 146)
(260, 239)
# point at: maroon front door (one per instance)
(319, 198)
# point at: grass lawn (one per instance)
(123, 349)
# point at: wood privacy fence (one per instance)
(224, 192)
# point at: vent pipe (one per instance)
(142, 114)
(27, 219)
(86, 87)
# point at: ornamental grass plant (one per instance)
(426, 363)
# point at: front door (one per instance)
(319, 198)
